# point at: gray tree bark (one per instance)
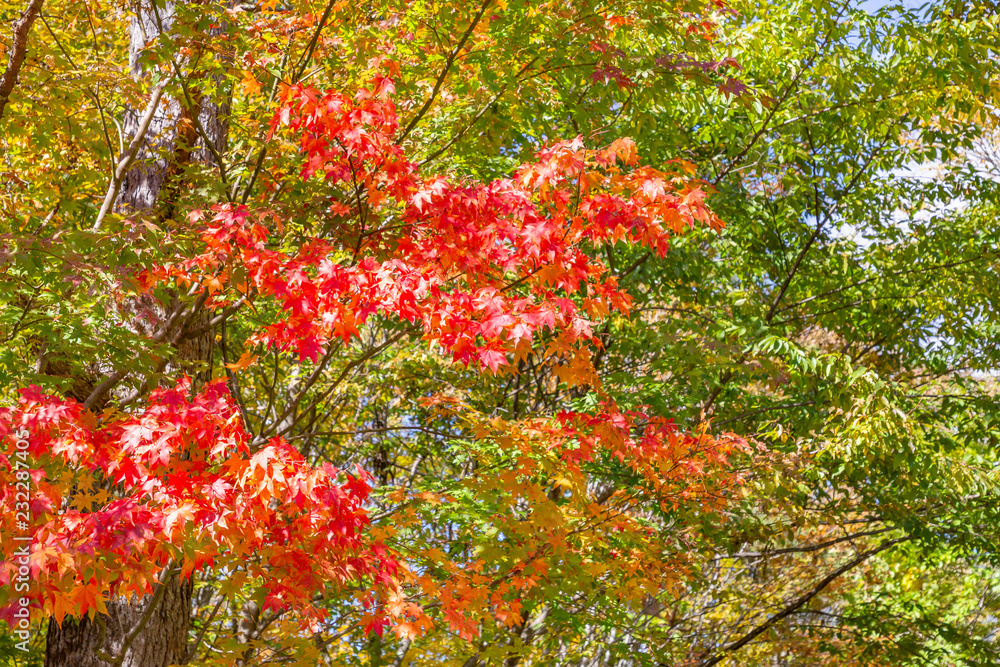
(162, 641)
(153, 631)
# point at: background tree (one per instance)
(844, 320)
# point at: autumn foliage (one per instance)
(176, 483)
(396, 333)
(479, 268)
(488, 273)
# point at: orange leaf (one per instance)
(249, 84)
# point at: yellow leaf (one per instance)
(213, 284)
(432, 498)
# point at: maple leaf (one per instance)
(421, 199)
(407, 630)
(492, 358)
(245, 361)
(62, 606)
(249, 84)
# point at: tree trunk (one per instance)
(148, 188)
(162, 640)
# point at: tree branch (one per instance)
(18, 50)
(126, 162)
(796, 604)
(444, 72)
(784, 96)
(808, 548)
(458, 135)
(300, 68)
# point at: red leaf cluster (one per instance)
(177, 483)
(479, 267)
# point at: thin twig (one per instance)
(126, 162)
(797, 603)
(444, 73)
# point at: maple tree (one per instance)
(137, 489)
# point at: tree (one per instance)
(138, 481)
(843, 320)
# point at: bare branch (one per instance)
(798, 602)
